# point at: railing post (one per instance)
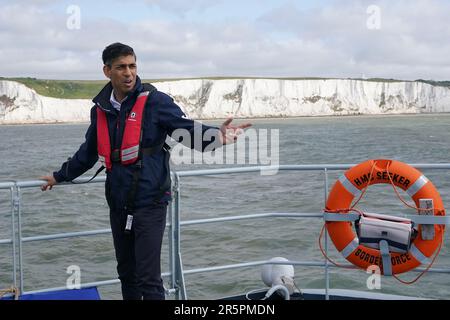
(18, 210)
(176, 265)
(14, 207)
(327, 270)
(171, 239)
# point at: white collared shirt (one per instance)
(116, 104)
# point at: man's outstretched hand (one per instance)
(229, 132)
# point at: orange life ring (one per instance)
(350, 185)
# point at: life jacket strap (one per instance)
(152, 150)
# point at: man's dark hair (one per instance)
(116, 50)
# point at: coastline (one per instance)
(425, 114)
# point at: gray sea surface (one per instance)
(30, 151)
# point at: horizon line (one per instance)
(232, 77)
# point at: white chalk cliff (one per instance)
(245, 98)
(20, 104)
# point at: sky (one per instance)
(60, 39)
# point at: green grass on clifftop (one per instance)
(87, 89)
(64, 89)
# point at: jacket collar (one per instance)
(102, 98)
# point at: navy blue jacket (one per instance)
(161, 117)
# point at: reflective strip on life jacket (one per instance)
(129, 151)
(132, 135)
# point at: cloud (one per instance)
(183, 6)
(38, 43)
(409, 43)
(286, 41)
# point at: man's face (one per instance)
(122, 74)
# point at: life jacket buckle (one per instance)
(115, 155)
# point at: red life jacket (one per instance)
(129, 150)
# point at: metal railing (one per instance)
(176, 270)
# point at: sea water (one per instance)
(30, 151)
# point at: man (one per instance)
(129, 125)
